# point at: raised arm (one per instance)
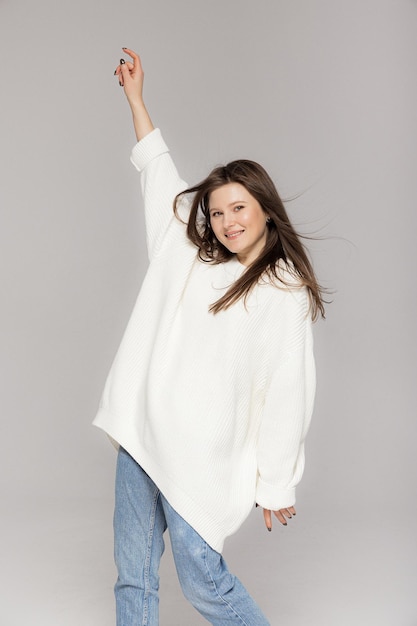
(131, 75)
(159, 177)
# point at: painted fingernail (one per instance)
(122, 61)
(115, 72)
(124, 48)
(269, 529)
(120, 84)
(256, 505)
(285, 524)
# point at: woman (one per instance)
(210, 395)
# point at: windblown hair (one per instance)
(283, 244)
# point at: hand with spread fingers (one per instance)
(131, 76)
(282, 515)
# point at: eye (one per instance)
(215, 214)
(238, 207)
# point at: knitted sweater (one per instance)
(215, 408)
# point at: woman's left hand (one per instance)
(282, 515)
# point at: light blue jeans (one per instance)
(141, 517)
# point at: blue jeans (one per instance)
(141, 517)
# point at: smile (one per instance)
(234, 235)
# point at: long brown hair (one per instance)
(282, 243)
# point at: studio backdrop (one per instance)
(323, 94)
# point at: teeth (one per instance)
(233, 235)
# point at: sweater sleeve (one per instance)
(287, 415)
(160, 184)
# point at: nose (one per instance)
(229, 219)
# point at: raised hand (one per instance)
(131, 76)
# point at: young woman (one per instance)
(211, 392)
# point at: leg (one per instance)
(205, 579)
(139, 524)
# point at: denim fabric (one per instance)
(141, 516)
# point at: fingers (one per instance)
(118, 71)
(124, 73)
(268, 519)
(131, 53)
(282, 515)
(136, 60)
(130, 75)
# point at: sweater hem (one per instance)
(190, 510)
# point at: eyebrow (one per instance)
(231, 204)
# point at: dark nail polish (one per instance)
(124, 48)
(120, 84)
(294, 513)
(256, 505)
(122, 61)
(269, 529)
(114, 72)
(285, 524)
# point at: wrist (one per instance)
(138, 107)
(141, 119)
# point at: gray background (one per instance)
(323, 93)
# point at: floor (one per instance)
(57, 569)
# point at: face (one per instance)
(238, 221)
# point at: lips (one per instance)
(234, 234)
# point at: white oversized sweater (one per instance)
(215, 408)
